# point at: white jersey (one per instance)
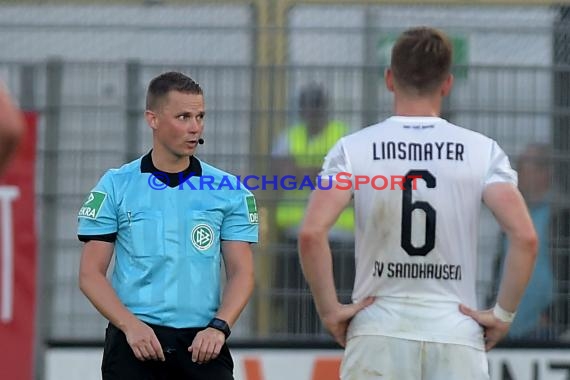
(417, 184)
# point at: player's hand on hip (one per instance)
(336, 321)
(143, 341)
(494, 328)
(206, 345)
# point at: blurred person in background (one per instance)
(299, 152)
(11, 128)
(166, 318)
(413, 313)
(533, 320)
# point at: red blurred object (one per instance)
(18, 259)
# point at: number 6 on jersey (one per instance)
(408, 208)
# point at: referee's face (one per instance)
(179, 123)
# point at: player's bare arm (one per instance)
(238, 261)
(11, 128)
(323, 210)
(509, 208)
(93, 282)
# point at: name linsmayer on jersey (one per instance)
(411, 151)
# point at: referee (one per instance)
(169, 235)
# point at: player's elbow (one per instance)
(310, 235)
(531, 241)
(306, 234)
(12, 130)
(527, 241)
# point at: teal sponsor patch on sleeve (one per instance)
(92, 205)
(252, 209)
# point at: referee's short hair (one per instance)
(160, 86)
(421, 60)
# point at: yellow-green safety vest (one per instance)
(310, 153)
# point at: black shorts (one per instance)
(120, 363)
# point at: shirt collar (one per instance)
(194, 167)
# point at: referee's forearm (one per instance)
(97, 289)
(236, 294)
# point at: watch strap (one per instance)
(220, 325)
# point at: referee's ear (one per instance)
(150, 117)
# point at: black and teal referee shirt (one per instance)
(167, 230)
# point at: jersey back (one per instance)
(417, 184)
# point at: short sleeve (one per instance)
(336, 161)
(241, 222)
(500, 169)
(98, 214)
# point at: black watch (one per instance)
(220, 324)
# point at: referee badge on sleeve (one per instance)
(252, 209)
(92, 205)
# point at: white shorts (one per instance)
(378, 357)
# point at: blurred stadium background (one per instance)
(82, 67)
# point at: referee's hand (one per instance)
(206, 345)
(143, 341)
(494, 328)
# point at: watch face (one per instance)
(220, 325)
